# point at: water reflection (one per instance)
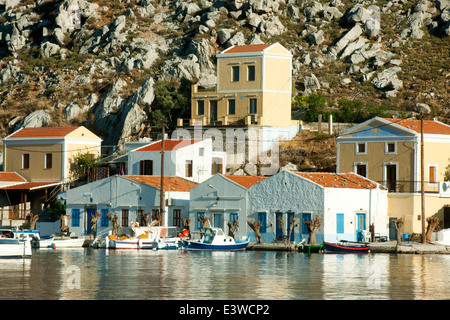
(148, 274)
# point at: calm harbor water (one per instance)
(80, 274)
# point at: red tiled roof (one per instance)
(245, 181)
(429, 126)
(169, 145)
(42, 132)
(249, 48)
(170, 183)
(10, 176)
(338, 180)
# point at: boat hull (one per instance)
(13, 248)
(61, 243)
(131, 244)
(339, 248)
(195, 245)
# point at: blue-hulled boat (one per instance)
(214, 239)
(345, 247)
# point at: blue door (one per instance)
(360, 226)
(218, 220)
(290, 216)
(279, 229)
(90, 213)
(305, 217)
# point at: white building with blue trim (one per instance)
(346, 203)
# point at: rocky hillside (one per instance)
(99, 63)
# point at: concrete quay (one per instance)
(409, 247)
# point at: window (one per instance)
(432, 174)
(361, 169)
(48, 161)
(390, 148)
(251, 73)
(146, 167)
(339, 223)
(216, 166)
(200, 107)
(234, 217)
(124, 217)
(201, 152)
(75, 217)
(262, 217)
(188, 173)
(305, 217)
(199, 223)
(361, 148)
(176, 217)
(104, 222)
(235, 73)
(155, 214)
(26, 161)
(253, 106)
(231, 106)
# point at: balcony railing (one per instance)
(221, 121)
(409, 186)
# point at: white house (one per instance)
(222, 198)
(192, 159)
(128, 197)
(346, 203)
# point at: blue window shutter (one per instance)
(199, 224)
(75, 217)
(339, 223)
(233, 217)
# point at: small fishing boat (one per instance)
(214, 239)
(346, 247)
(166, 238)
(141, 238)
(59, 242)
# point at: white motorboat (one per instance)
(12, 246)
(53, 242)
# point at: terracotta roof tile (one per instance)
(10, 176)
(169, 145)
(245, 181)
(42, 132)
(429, 126)
(338, 180)
(248, 48)
(170, 183)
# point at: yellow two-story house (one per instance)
(388, 150)
(46, 153)
(254, 86)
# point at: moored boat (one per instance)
(60, 242)
(345, 247)
(214, 239)
(13, 245)
(142, 238)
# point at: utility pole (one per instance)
(422, 182)
(161, 192)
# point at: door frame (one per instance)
(278, 230)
